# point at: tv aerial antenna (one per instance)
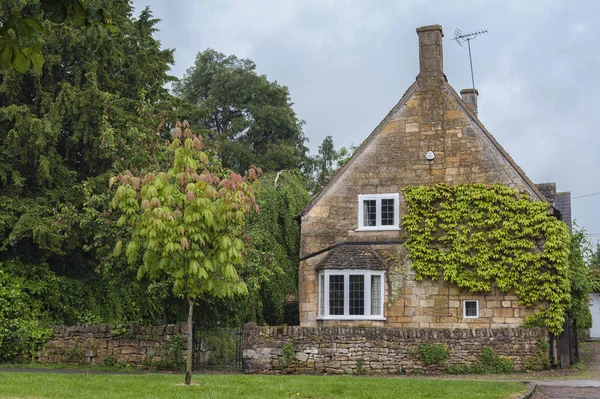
(460, 38)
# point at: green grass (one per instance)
(154, 386)
(65, 366)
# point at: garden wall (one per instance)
(140, 347)
(381, 350)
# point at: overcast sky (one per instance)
(347, 63)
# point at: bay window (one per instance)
(351, 294)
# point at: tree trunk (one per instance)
(190, 343)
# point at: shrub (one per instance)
(489, 362)
(288, 354)
(20, 329)
(433, 353)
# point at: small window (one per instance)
(378, 212)
(351, 294)
(471, 309)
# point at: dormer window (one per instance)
(378, 211)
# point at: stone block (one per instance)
(506, 304)
(503, 312)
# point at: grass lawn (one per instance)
(155, 386)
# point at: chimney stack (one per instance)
(469, 97)
(431, 57)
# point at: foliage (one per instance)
(66, 127)
(225, 386)
(474, 235)
(489, 362)
(580, 279)
(20, 329)
(172, 358)
(271, 268)
(187, 222)
(433, 353)
(22, 28)
(595, 269)
(121, 330)
(541, 361)
(326, 163)
(288, 354)
(250, 117)
(360, 369)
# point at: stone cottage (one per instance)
(354, 268)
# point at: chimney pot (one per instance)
(431, 57)
(469, 97)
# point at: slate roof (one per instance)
(353, 257)
(563, 204)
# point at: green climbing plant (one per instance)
(474, 235)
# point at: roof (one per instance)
(353, 257)
(470, 114)
(505, 154)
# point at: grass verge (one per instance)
(150, 386)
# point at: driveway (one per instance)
(571, 388)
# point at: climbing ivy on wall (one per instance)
(473, 235)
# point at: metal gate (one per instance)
(218, 348)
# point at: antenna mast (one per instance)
(460, 38)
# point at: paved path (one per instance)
(574, 389)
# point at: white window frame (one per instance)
(465, 308)
(323, 301)
(378, 197)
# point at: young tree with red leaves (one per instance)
(187, 223)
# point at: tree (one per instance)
(187, 223)
(249, 117)
(275, 246)
(22, 28)
(580, 278)
(67, 127)
(326, 163)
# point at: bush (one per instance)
(489, 362)
(433, 353)
(20, 329)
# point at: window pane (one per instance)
(471, 309)
(387, 212)
(357, 294)
(336, 295)
(369, 213)
(376, 296)
(322, 295)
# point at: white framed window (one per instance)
(470, 309)
(379, 211)
(351, 295)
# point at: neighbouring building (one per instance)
(354, 268)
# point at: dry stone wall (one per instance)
(135, 346)
(378, 350)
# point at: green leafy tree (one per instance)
(250, 117)
(580, 278)
(326, 163)
(275, 247)
(67, 127)
(187, 222)
(22, 28)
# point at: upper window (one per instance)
(378, 211)
(351, 294)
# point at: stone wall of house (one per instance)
(430, 117)
(378, 350)
(135, 346)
